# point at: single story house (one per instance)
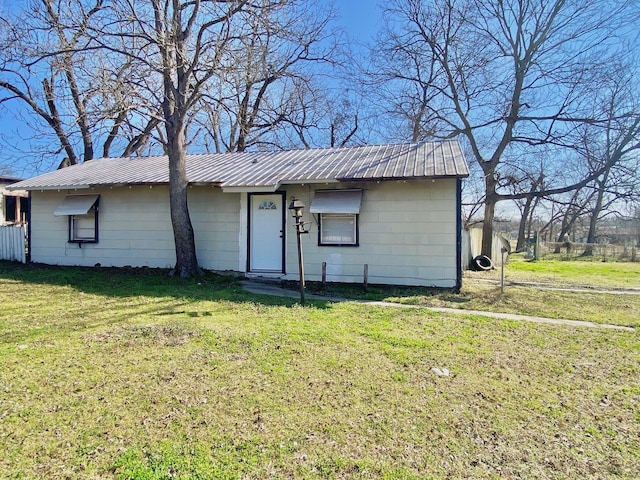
(395, 208)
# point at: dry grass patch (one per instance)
(614, 309)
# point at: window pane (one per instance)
(338, 229)
(83, 227)
(10, 208)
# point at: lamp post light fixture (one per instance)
(297, 209)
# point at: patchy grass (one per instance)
(614, 309)
(610, 309)
(531, 288)
(108, 375)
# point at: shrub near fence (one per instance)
(13, 243)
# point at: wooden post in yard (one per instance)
(502, 251)
(324, 274)
(300, 227)
(366, 276)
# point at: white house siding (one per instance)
(135, 229)
(215, 218)
(407, 232)
(407, 236)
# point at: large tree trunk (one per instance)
(185, 245)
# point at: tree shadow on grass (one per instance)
(130, 282)
(125, 295)
(211, 286)
(135, 294)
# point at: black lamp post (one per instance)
(297, 209)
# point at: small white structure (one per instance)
(395, 208)
(14, 205)
(14, 210)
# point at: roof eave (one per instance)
(43, 188)
(249, 188)
(400, 179)
(311, 181)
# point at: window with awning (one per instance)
(76, 205)
(338, 212)
(337, 201)
(82, 211)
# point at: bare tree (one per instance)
(619, 138)
(184, 44)
(608, 148)
(228, 53)
(272, 89)
(73, 92)
(504, 74)
(139, 70)
(570, 211)
(527, 208)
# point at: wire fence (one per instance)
(571, 250)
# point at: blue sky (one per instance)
(360, 19)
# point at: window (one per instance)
(82, 211)
(16, 209)
(84, 228)
(338, 216)
(267, 205)
(338, 229)
(10, 209)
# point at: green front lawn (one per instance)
(105, 374)
(557, 272)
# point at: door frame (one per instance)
(249, 227)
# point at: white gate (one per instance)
(12, 243)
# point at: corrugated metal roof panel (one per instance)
(268, 169)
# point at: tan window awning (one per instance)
(76, 205)
(336, 201)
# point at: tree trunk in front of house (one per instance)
(185, 245)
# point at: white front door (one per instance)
(266, 232)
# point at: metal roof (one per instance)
(267, 170)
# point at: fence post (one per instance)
(324, 274)
(366, 276)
